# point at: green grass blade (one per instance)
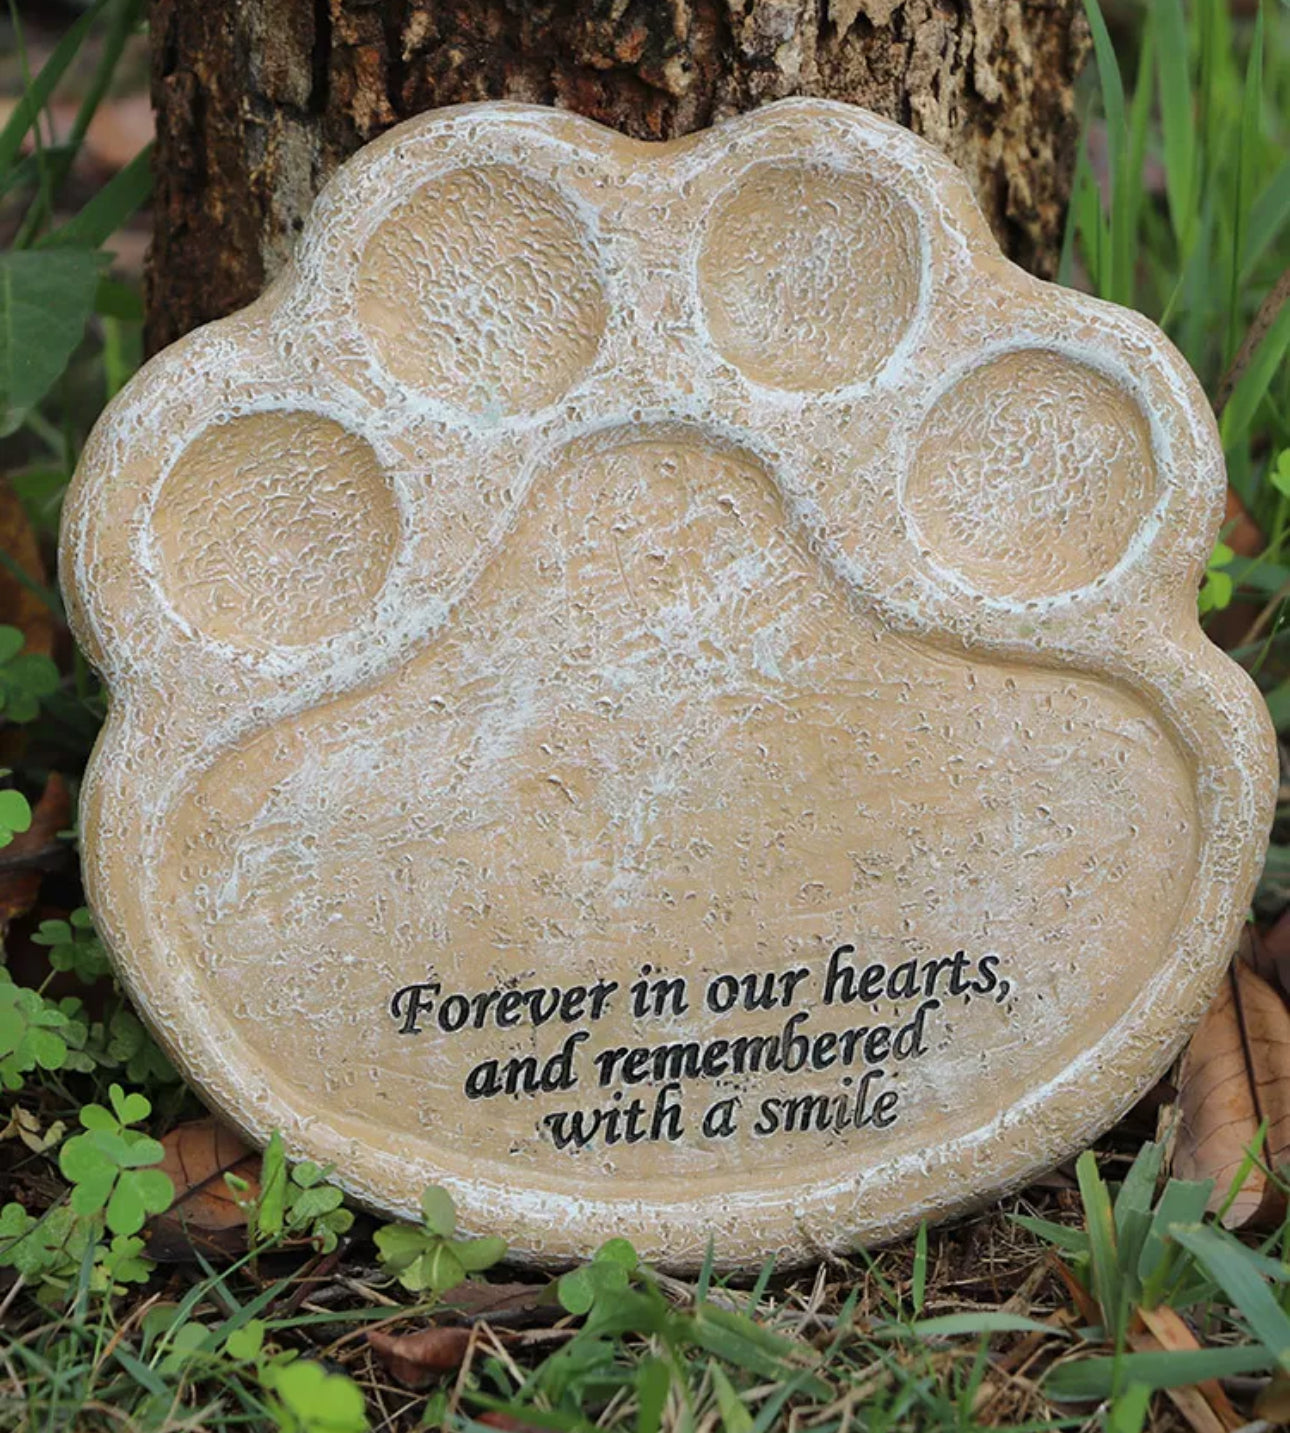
(653, 1382)
(1129, 190)
(1247, 153)
(1223, 1259)
(1128, 1413)
(735, 1417)
(1061, 1236)
(123, 22)
(1070, 231)
(1238, 416)
(1183, 1202)
(984, 1322)
(918, 1283)
(1111, 281)
(1268, 216)
(1178, 121)
(108, 210)
(42, 87)
(704, 1281)
(1107, 1287)
(1139, 1187)
(1094, 1378)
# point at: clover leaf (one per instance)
(48, 1250)
(25, 677)
(74, 945)
(317, 1207)
(1217, 590)
(609, 1272)
(309, 1399)
(15, 815)
(425, 1258)
(30, 1032)
(295, 1200)
(109, 1165)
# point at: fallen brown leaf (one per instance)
(205, 1214)
(417, 1359)
(507, 1421)
(19, 605)
(1189, 1401)
(25, 859)
(510, 1303)
(1269, 953)
(1168, 1331)
(1243, 534)
(1080, 1296)
(1235, 1075)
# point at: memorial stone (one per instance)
(657, 687)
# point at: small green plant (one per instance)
(33, 1032)
(425, 1258)
(292, 1201)
(307, 1398)
(74, 945)
(609, 1272)
(50, 1252)
(25, 677)
(1216, 590)
(1139, 1252)
(15, 814)
(110, 1166)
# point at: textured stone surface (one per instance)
(621, 570)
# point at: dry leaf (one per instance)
(1243, 534)
(1269, 953)
(1235, 1075)
(1079, 1295)
(508, 1422)
(19, 605)
(1168, 1331)
(1188, 1400)
(24, 860)
(205, 1214)
(24, 1124)
(417, 1359)
(509, 1303)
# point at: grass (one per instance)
(1081, 1303)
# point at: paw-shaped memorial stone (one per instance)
(657, 687)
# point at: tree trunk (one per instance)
(259, 100)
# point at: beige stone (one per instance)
(600, 585)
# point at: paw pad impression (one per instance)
(657, 687)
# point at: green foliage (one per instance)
(15, 815)
(1216, 592)
(608, 1273)
(1137, 1250)
(54, 292)
(309, 1399)
(109, 1165)
(25, 677)
(50, 1252)
(293, 1201)
(46, 299)
(50, 1248)
(74, 945)
(425, 1258)
(32, 1032)
(1202, 265)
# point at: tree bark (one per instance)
(259, 100)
